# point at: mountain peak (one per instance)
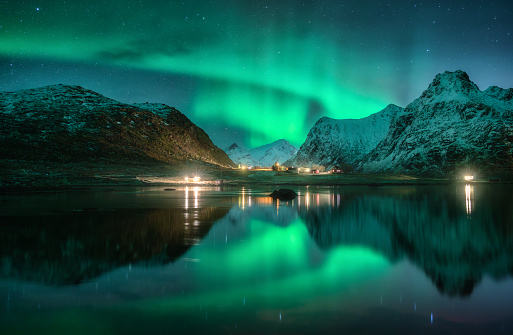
(452, 124)
(282, 142)
(233, 146)
(450, 84)
(500, 93)
(66, 94)
(265, 155)
(391, 107)
(65, 89)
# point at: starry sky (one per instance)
(253, 72)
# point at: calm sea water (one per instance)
(340, 260)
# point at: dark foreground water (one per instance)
(346, 260)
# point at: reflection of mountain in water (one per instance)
(456, 234)
(71, 247)
(454, 243)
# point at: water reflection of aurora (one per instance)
(264, 265)
(275, 266)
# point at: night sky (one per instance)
(255, 71)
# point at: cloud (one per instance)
(170, 45)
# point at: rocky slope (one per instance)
(344, 142)
(265, 155)
(452, 128)
(69, 124)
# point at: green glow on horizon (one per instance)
(261, 76)
(267, 114)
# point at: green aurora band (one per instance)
(254, 71)
(257, 71)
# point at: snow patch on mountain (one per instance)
(239, 155)
(264, 156)
(344, 142)
(161, 110)
(451, 127)
(76, 98)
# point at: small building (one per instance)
(278, 167)
(337, 169)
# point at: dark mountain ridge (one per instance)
(64, 124)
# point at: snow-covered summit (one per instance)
(451, 126)
(344, 141)
(265, 155)
(239, 155)
(268, 154)
(449, 86)
(447, 83)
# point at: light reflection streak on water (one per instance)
(196, 196)
(242, 198)
(469, 194)
(186, 197)
(245, 199)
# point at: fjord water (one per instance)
(408, 259)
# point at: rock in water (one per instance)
(283, 194)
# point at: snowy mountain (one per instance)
(62, 123)
(452, 128)
(265, 155)
(278, 151)
(239, 155)
(344, 142)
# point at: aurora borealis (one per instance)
(250, 71)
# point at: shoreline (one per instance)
(373, 181)
(23, 176)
